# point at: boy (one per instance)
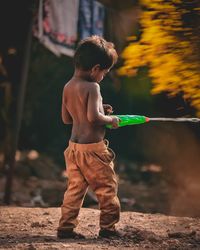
(89, 160)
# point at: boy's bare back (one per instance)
(81, 104)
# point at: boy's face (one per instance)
(97, 74)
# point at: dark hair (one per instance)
(95, 50)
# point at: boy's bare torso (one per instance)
(75, 107)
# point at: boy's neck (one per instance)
(83, 74)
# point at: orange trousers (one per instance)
(90, 165)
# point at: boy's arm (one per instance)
(93, 114)
(66, 117)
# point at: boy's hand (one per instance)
(107, 109)
(115, 122)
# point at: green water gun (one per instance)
(130, 120)
(138, 119)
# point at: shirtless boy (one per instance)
(88, 158)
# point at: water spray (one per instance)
(126, 120)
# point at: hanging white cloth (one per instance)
(56, 25)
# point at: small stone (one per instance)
(31, 247)
(46, 213)
(37, 224)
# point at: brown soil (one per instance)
(35, 228)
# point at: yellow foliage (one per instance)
(165, 47)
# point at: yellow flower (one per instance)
(169, 48)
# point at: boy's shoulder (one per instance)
(82, 84)
(93, 87)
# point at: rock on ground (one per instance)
(35, 228)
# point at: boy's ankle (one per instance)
(69, 234)
(106, 233)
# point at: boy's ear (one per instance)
(95, 68)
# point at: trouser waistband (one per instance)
(97, 146)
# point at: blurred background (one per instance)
(157, 75)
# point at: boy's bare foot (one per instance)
(69, 235)
(104, 233)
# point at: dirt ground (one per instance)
(35, 228)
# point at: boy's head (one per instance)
(96, 55)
